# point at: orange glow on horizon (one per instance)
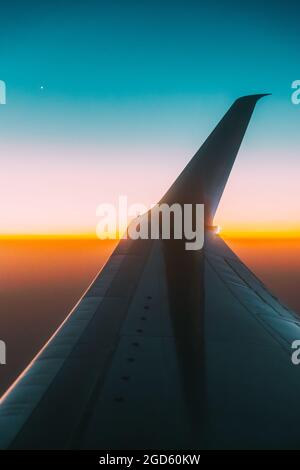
(226, 233)
(260, 231)
(48, 236)
(58, 236)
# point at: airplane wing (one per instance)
(168, 348)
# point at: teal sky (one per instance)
(128, 90)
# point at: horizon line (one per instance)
(228, 235)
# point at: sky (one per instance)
(109, 98)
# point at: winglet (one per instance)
(204, 178)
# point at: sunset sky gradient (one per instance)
(113, 98)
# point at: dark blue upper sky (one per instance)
(128, 51)
(101, 48)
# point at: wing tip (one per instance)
(253, 99)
